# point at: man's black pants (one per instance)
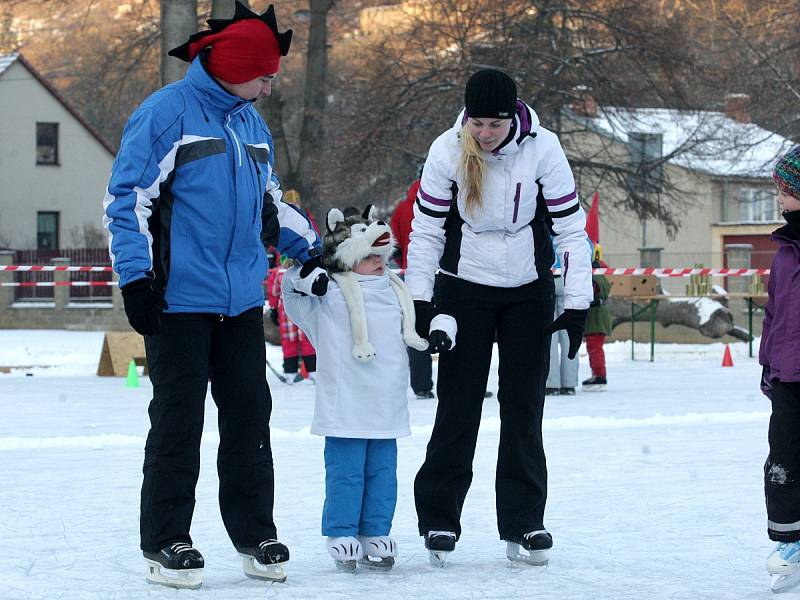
(191, 350)
(782, 469)
(519, 316)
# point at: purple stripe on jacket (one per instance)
(432, 200)
(562, 200)
(524, 118)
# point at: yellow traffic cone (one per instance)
(133, 376)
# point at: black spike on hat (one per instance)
(490, 94)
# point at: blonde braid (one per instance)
(472, 165)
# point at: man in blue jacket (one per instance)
(190, 207)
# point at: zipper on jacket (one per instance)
(516, 201)
(566, 267)
(235, 139)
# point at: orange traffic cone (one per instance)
(303, 370)
(727, 360)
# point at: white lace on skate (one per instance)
(190, 579)
(255, 570)
(784, 566)
(516, 553)
(346, 551)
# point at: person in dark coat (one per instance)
(598, 326)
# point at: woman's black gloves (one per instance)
(574, 321)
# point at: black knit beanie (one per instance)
(490, 94)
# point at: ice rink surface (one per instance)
(655, 487)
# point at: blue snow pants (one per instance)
(360, 486)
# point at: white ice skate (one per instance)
(784, 566)
(530, 548)
(346, 551)
(379, 552)
(177, 565)
(439, 544)
(265, 561)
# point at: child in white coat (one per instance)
(360, 329)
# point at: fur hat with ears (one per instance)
(349, 240)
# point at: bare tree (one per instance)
(178, 22)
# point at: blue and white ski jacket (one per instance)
(190, 189)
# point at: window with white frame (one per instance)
(757, 204)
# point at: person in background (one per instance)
(294, 343)
(562, 378)
(191, 205)
(419, 362)
(780, 381)
(598, 326)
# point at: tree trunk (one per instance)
(709, 317)
(314, 99)
(223, 9)
(178, 22)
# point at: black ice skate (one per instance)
(177, 565)
(265, 561)
(439, 544)
(530, 548)
(594, 384)
(379, 552)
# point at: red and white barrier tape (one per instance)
(633, 271)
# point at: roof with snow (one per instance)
(5, 61)
(705, 141)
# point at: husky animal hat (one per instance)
(351, 239)
(243, 48)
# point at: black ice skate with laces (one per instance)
(439, 544)
(530, 548)
(265, 561)
(177, 565)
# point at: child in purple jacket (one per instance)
(780, 382)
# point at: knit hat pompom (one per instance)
(786, 174)
(490, 94)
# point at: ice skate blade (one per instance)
(346, 566)
(594, 388)
(437, 557)
(255, 570)
(376, 564)
(785, 583)
(187, 579)
(536, 558)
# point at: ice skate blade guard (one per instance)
(188, 579)
(256, 570)
(536, 558)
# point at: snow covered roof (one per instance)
(6, 60)
(705, 141)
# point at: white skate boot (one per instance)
(346, 551)
(379, 552)
(439, 544)
(784, 566)
(530, 548)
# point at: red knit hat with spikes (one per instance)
(243, 48)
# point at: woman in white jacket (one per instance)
(495, 187)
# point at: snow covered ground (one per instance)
(655, 487)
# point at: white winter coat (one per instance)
(499, 244)
(354, 399)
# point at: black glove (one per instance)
(439, 342)
(143, 306)
(766, 382)
(574, 321)
(273, 316)
(319, 285)
(424, 313)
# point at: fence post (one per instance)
(6, 293)
(61, 292)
